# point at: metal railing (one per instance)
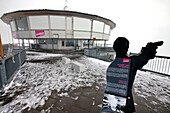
(103, 53)
(9, 65)
(160, 65)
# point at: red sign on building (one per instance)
(39, 33)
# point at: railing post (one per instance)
(19, 56)
(3, 73)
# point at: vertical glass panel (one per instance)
(57, 22)
(22, 23)
(82, 24)
(13, 26)
(42, 41)
(106, 29)
(39, 22)
(98, 26)
(86, 42)
(55, 41)
(49, 41)
(69, 43)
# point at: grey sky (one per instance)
(140, 21)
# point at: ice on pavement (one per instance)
(34, 82)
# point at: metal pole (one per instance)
(52, 45)
(3, 73)
(1, 48)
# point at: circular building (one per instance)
(58, 29)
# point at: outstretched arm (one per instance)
(146, 54)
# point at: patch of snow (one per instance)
(75, 98)
(149, 84)
(100, 105)
(63, 94)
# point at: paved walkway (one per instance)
(82, 100)
(86, 100)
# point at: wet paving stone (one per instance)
(95, 109)
(65, 103)
(76, 109)
(84, 103)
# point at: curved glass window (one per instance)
(39, 22)
(22, 24)
(98, 26)
(82, 24)
(107, 29)
(13, 26)
(57, 22)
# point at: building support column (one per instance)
(29, 43)
(19, 43)
(23, 44)
(52, 44)
(104, 43)
(88, 43)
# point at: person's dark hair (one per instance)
(120, 44)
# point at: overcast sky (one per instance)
(140, 21)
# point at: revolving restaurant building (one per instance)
(58, 29)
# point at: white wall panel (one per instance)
(97, 35)
(106, 37)
(24, 34)
(82, 35)
(60, 33)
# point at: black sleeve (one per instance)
(139, 61)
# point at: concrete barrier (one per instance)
(65, 60)
(78, 67)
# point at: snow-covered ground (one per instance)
(34, 82)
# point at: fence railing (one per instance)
(103, 53)
(160, 64)
(9, 65)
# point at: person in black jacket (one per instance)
(121, 46)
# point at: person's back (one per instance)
(121, 46)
